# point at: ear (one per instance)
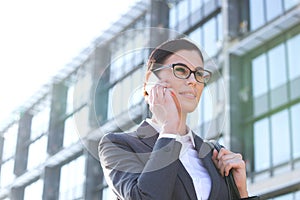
(148, 73)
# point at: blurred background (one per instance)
(73, 70)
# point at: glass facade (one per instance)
(264, 11)
(72, 179)
(34, 190)
(275, 106)
(38, 139)
(8, 154)
(264, 101)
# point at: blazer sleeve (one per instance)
(140, 175)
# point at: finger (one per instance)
(233, 164)
(215, 156)
(223, 152)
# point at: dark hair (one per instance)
(168, 48)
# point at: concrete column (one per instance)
(94, 174)
(56, 125)
(99, 91)
(21, 156)
(55, 140)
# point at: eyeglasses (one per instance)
(182, 71)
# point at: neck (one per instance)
(181, 126)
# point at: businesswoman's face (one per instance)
(187, 90)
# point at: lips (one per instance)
(189, 94)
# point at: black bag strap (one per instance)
(232, 188)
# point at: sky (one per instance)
(39, 37)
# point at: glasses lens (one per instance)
(202, 76)
(199, 75)
(181, 71)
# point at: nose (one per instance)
(192, 79)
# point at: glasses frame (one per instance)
(206, 80)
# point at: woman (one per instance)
(164, 159)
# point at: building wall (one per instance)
(252, 105)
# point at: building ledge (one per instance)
(277, 185)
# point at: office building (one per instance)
(49, 148)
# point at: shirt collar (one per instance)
(178, 137)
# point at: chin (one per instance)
(190, 109)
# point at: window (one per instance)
(195, 5)
(280, 137)
(275, 113)
(262, 144)
(107, 192)
(70, 132)
(210, 40)
(126, 51)
(40, 123)
(295, 113)
(70, 99)
(173, 16)
(34, 190)
(196, 36)
(183, 10)
(209, 36)
(37, 153)
(264, 11)
(7, 174)
(10, 142)
(9, 149)
(277, 67)
(259, 74)
(290, 3)
(72, 179)
(257, 15)
(126, 93)
(274, 8)
(293, 57)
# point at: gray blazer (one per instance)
(140, 167)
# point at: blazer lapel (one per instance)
(147, 134)
(205, 153)
(187, 181)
